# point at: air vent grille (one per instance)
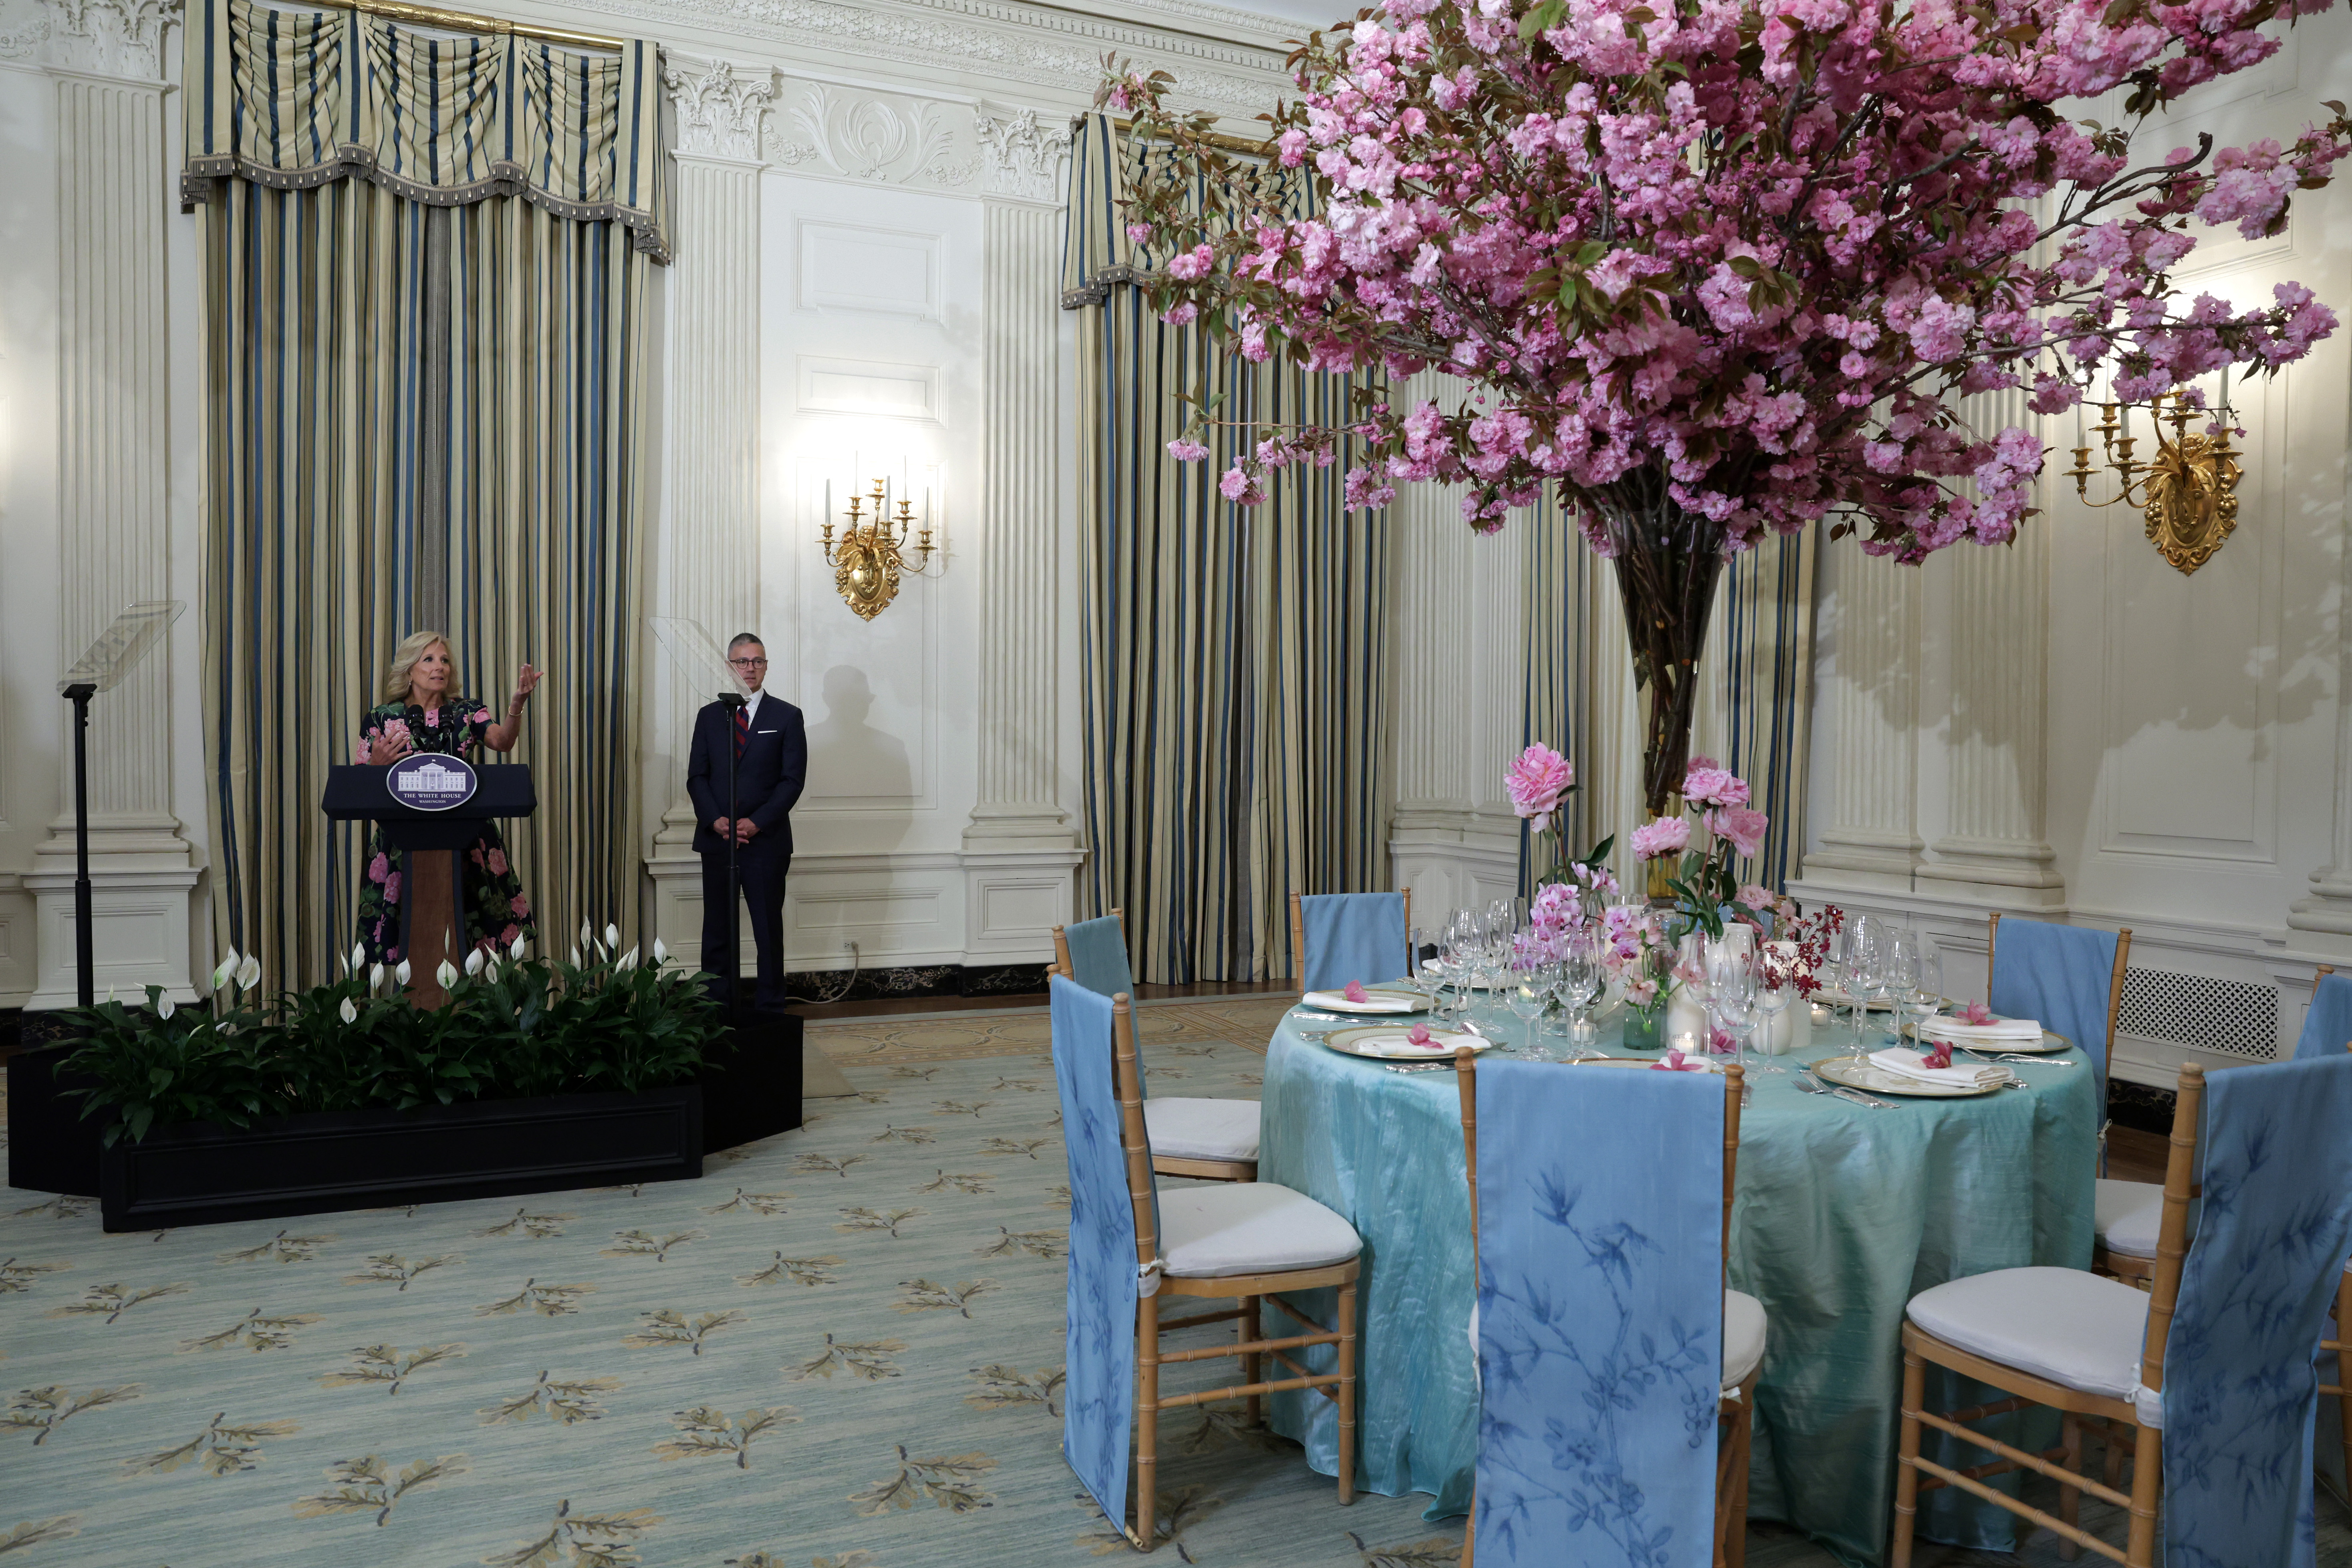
(2226, 1016)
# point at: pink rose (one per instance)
(1539, 781)
(379, 868)
(1356, 992)
(1743, 827)
(1757, 898)
(1712, 786)
(497, 862)
(391, 888)
(1667, 835)
(518, 907)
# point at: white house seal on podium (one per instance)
(429, 781)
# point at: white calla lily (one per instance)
(227, 969)
(491, 971)
(474, 961)
(628, 959)
(661, 953)
(575, 957)
(444, 977)
(165, 1007)
(351, 1010)
(249, 974)
(586, 936)
(400, 975)
(359, 954)
(376, 978)
(612, 935)
(515, 952)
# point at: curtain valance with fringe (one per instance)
(295, 100)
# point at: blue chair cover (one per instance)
(1098, 956)
(2240, 1393)
(1098, 1417)
(2061, 975)
(2327, 1022)
(1600, 1315)
(1351, 936)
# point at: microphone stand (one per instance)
(734, 702)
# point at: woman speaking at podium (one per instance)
(420, 713)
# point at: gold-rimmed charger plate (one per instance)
(1391, 1043)
(1862, 1073)
(2049, 1044)
(1380, 1002)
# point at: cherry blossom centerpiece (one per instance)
(1713, 270)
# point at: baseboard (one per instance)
(918, 979)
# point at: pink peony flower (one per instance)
(1707, 785)
(1667, 835)
(1539, 781)
(379, 868)
(496, 861)
(391, 888)
(1743, 828)
(1756, 897)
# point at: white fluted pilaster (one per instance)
(1871, 796)
(710, 468)
(114, 402)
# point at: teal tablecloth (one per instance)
(1842, 1214)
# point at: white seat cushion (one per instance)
(1248, 1227)
(1203, 1128)
(2067, 1325)
(1743, 1336)
(2127, 1215)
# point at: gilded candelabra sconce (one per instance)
(2189, 493)
(871, 556)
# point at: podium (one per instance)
(432, 911)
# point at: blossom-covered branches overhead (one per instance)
(1725, 266)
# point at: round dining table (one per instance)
(1843, 1212)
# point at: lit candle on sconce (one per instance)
(871, 556)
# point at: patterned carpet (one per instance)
(840, 1349)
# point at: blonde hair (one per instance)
(403, 661)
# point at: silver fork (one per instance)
(1810, 1084)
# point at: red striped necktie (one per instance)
(742, 730)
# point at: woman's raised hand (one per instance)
(525, 684)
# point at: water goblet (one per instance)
(1528, 997)
(1776, 993)
(1898, 979)
(1579, 983)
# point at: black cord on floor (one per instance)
(855, 962)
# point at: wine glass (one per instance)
(1731, 995)
(1926, 996)
(1528, 995)
(1898, 978)
(1428, 968)
(1865, 962)
(1579, 983)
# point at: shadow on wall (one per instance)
(860, 799)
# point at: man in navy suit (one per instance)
(770, 747)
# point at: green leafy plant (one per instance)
(512, 1026)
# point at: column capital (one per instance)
(1021, 155)
(720, 106)
(116, 38)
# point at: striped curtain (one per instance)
(336, 364)
(1233, 659)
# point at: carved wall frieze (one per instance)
(887, 138)
(986, 37)
(717, 106)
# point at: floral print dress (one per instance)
(496, 910)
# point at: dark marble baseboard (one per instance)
(922, 980)
(2136, 1105)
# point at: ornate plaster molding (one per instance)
(996, 38)
(888, 138)
(1023, 156)
(719, 106)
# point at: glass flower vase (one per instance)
(1646, 1027)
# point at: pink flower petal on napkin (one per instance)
(1419, 1034)
(1356, 992)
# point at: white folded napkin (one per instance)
(1905, 1063)
(1949, 1028)
(1373, 1002)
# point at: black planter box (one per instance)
(203, 1175)
(750, 1080)
(51, 1148)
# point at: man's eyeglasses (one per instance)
(747, 663)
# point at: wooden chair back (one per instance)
(1298, 937)
(2115, 981)
(1132, 1142)
(2172, 1229)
